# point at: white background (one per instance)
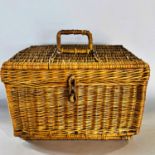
(128, 22)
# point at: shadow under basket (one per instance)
(75, 91)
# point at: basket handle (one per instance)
(75, 50)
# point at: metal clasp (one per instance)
(72, 89)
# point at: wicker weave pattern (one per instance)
(101, 111)
(110, 88)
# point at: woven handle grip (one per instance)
(75, 50)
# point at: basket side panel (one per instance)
(13, 105)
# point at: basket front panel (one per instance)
(100, 111)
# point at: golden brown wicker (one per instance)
(75, 91)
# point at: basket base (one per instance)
(40, 136)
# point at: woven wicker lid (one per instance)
(74, 56)
(48, 57)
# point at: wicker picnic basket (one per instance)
(75, 91)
